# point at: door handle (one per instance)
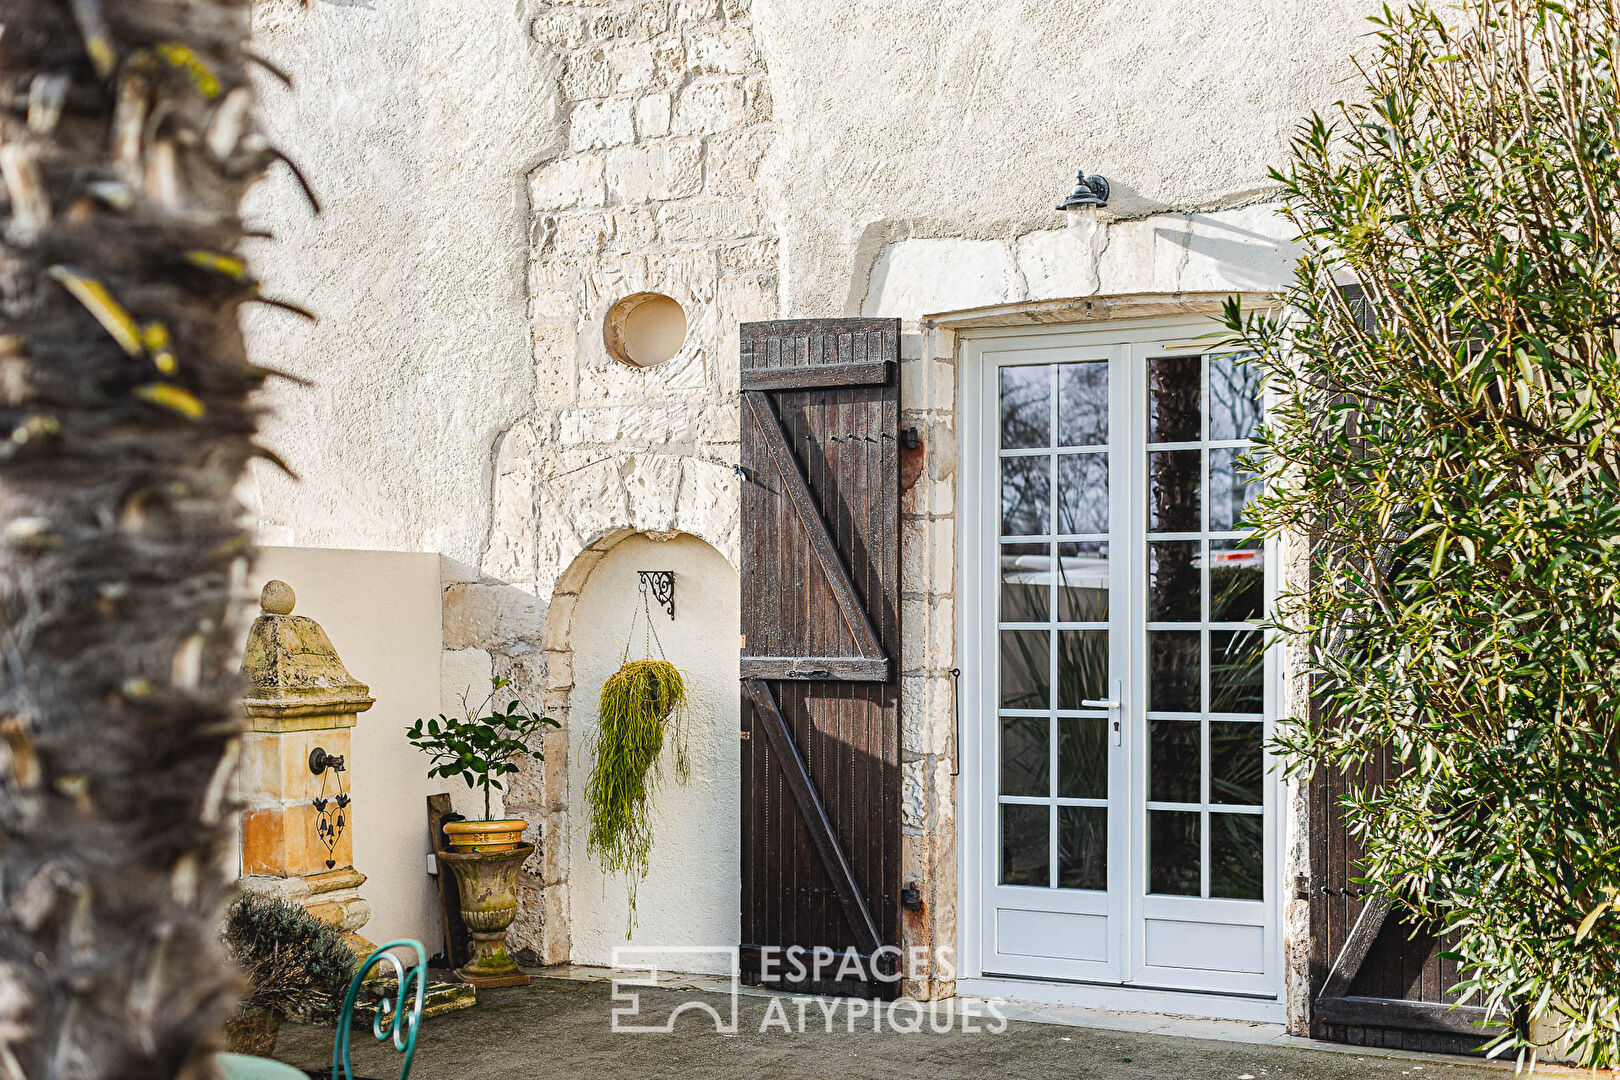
(1113, 704)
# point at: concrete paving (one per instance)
(560, 1028)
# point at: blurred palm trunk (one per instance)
(124, 425)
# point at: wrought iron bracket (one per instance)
(661, 583)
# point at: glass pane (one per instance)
(1083, 493)
(1082, 847)
(1082, 667)
(1175, 395)
(1025, 755)
(1234, 397)
(1174, 768)
(1236, 671)
(1024, 849)
(1237, 579)
(1083, 404)
(1236, 857)
(1236, 762)
(1173, 852)
(1083, 578)
(1026, 582)
(1230, 489)
(1173, 490)
(1173, 670)
(1083, 759)
(1026, 407)
(1026, 488)
(1174, 582)
(1025, 669)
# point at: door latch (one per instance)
(1113, 705)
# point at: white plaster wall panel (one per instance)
(969, 118)
(381, 611)
(691, 896)
(926, 274)
(1059, 262)
(404, 117)
(463, 671)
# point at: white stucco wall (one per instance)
(692, 894)
(498, 172)
(380, 610)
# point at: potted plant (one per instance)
(639, 705)
(483, 746)
(295, 964)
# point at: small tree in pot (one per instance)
(483, 747)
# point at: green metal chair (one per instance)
(399, 1013)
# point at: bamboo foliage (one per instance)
(126, 142)
(1447, 436)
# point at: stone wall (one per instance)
(497, 174)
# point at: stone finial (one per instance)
(277, 598)
(290, 666)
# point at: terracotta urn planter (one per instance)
(487, 881)
(502, 835)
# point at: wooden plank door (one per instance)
(820, 649)
(1376, 977)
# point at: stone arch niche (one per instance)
(674, 505)
(691, 895)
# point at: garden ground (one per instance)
(560, 1027)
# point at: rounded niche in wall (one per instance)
(644, 329)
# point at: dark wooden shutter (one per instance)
(1377, 979)
(820, 642)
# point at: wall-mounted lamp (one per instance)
(1088, 191)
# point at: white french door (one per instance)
(1124, 811)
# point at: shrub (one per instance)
(296, 965)
(1448, 439)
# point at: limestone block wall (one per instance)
(497, 174)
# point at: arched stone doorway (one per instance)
(691, 895)
(569, 911)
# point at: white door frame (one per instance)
(1242, 997)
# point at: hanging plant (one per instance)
(640, 708)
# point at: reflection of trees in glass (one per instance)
(1173, 581)
(1083, 581)
(1026, 407)
(1083, 404)
(1026, 484)
(1082, 847)
(1173, 671)
(1236, 763)
(1082, 758)
(1236, 858)
(1025, 582)
(1230, 488)
(1174, 398)
(1023, 845)
(1082, 666)
(1236, 589)
(1174, 477)
(1024, 671)
(1234, 397)
(1236, 670)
